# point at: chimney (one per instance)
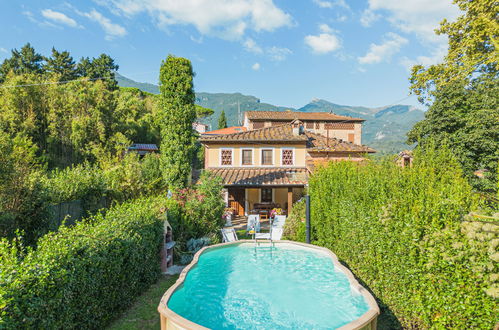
(297, 127)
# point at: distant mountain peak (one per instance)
(385, 128)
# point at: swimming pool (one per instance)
(284, 286)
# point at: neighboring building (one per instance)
(142, 148)
(404, 158)
(228, 130)
(199, 127)
(272, 164)
(328, 124)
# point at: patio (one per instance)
(239, 222)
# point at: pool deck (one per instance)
(172, 321)
(240, 222)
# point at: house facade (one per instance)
(327, 124)
(270, 166)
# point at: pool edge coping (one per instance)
(358, 323)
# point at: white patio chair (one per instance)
(253, 223)
(229, 235)
(279, 221)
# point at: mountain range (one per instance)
(385, 128)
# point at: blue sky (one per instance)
(286, 52)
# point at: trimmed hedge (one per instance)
(401, 231)
(82, 276)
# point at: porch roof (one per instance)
(257, 176)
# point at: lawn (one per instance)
(144, 312)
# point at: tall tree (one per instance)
(473, 41)
(177, 102)
(464, 89)
(102, 67)
(27, 60)
(222, 120)
(62, 64)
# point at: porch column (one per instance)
(290, 200)
(225, 193)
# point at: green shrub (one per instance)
(132, 177)
(83, 182)
(295, 228)
(85, 275)
(197, 212)
(23, 205)
(401, 232)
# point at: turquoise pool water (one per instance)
(285, 287)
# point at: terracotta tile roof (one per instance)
(257, 176)
(290, 115)
(318, 143)
(282, 133)
(228, 130)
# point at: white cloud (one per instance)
(3, 50)
(256, 66)
(59, 17)
(420, 17)
(368, 18)
(331, 4)
(228, 19)
(325, 28)
(278, 53)
(251, 46)
(112, 29)
(325, 42)
(383, 52)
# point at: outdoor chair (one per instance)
(253, 223)
(229, 235)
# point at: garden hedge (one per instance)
(85, 275)
(403, 232)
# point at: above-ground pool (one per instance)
(284, 286)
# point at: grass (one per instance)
(242, 234)
(144, 312)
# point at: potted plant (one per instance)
(228, 214)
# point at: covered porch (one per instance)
(259, 190)
(261, 200)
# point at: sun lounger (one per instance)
(229, 235)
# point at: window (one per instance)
(247, 157)
(309, 124)
(266, 196)
(226, 157)
(287, 157)
(317, 125)
(267, 157)
(258, 124)
(351, 137)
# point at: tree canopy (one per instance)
(473, 41)
(463, 92)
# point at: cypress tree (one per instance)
(178, 113)
(222, 120)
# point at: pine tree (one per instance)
(100, 67)
(61, 63)
(27, 60)
(178, 113)
(222, 120)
